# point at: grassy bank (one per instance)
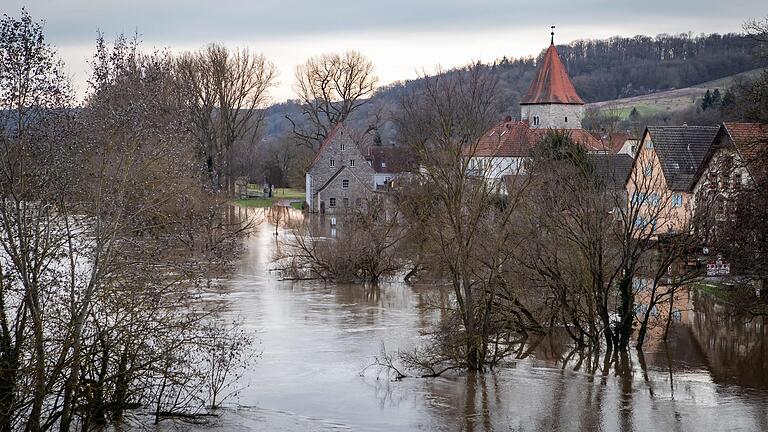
(295, 196)
(717, 291)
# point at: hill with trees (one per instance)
(601, 70)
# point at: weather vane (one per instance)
(552, 41)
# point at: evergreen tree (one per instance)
(706, 102)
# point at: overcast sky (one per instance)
(401, 37)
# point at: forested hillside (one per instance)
(600, 69)
(622, 67)
(609, 69)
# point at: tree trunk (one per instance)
(624, 330)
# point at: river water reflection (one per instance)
(317, 338)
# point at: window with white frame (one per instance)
(332, 163)
(341, 146)
(648, 144)
(345, 183)
(352, 162)
(332, 202)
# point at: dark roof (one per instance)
(517, 139)
(552, 84)
(336, 174)
(613, 169)
(390, 159)
(681, 149)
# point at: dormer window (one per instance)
(352, 163)
(332, 163)
(341, 146)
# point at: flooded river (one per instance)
(316, 339)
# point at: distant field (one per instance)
(294, 196)
(671, 100)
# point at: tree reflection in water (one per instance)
(712, 374)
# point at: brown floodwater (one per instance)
(316, 339)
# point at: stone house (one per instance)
(341, 177)
(660, 184)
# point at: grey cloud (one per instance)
(76, 21)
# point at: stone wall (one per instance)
(555, 116)
(355, 195)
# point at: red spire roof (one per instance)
(552, 84)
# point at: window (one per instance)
(677, 200)
(358, 202)
(566, 119)
(654, 199)
(352, 162)
(345, 183)
(332, 163)
(648, 144)
(341, 146)
(345, 201)
(332, 202)
(648, 170)
(383, 164)
(737, 180)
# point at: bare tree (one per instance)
(107, 235)
(330, 87)
(465, 221)
(225, 92)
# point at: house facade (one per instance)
(342, 178)
(732, 163)
(660, 183)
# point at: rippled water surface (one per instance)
(316, 339)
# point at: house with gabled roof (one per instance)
(660, 183)
(734, 161)
(341, 178)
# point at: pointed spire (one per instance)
(552, 34)
(551, 84)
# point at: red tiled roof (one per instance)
(507, 139)
(751, 139)
(552, 84)
(517, 139)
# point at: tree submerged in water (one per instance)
(109, 236)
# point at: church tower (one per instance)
(552, 101)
